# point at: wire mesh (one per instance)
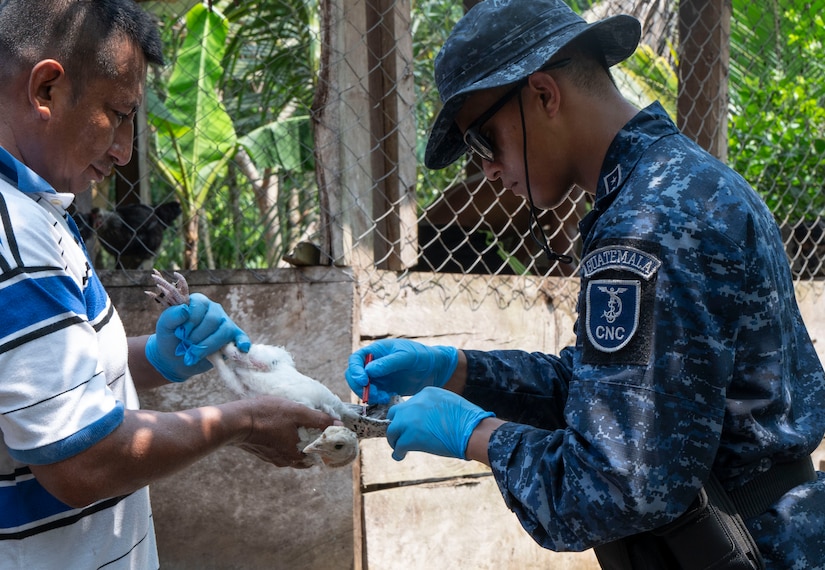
(292, 132)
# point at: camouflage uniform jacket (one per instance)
(691, 355)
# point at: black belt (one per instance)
(712, 532)
(757, 495)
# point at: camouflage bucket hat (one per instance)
(499, 42)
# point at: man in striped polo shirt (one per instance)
(76, 451)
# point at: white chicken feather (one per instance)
(270, 370)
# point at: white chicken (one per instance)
(270, 370)
(267, 369)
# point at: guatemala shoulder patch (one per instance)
(618, 296)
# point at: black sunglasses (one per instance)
(473, 138)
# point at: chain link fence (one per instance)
(291, 132)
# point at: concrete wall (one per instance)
(426, 509)
(233, 511)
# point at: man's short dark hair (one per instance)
(80, 34)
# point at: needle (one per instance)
(365, 394)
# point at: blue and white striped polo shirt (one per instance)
(64, 385)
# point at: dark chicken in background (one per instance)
(132, 234)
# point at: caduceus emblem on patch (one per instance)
(614, 304)
(612, 312)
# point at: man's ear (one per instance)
(44, 77)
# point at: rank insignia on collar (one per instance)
(612, 312)
(614, 179)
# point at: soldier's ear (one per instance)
(548, 91)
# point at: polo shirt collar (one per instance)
(28, 181)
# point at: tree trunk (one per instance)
(704, 29)
(190, 240)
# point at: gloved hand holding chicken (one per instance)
(186, 333)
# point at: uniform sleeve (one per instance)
(528, 388)
(646, 400)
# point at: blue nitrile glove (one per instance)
(400, 367)
(185, 334)
(434, 421)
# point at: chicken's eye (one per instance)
(339, 446)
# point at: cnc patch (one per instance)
(613, 307)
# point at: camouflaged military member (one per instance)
(691, 356)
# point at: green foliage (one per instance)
(271, 60)
(652, 78)
(513, 262)
(282, 145)
(777, 121)
(581, 5)
(432, 21)
(195, 137)
(245, 68)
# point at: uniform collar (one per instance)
(640, 133)
(648, 126)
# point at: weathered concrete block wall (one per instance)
(233, 511)
(426, 509)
